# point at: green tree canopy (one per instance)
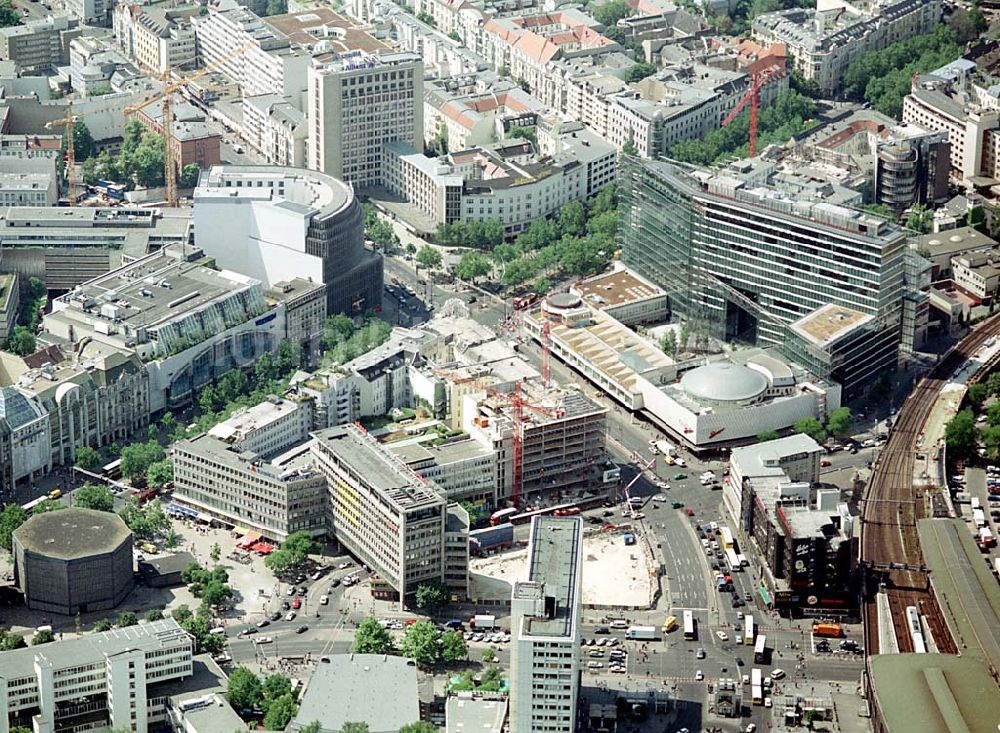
(10, 641)
(293, 551)
(126, 618)
(103, 624)
(49, 505)
(146, 521)
(138, 457)
(42, 637)
(839, 420)
(189, 176)
(153, 614)
(280, 713)
(767, 435)
(472, 266)
(609, 13)
(160, 473)
(372, 638)
(429, 257)
(420, 643)
(640, 71)
(432, 596)
(87, 458)
(960, 435)
(453, 647)
(94, 496)
(812, 427)
(12, 517)
(354, 728)
(421, 726)
(21, 341)
(245, 691)
(8, 14)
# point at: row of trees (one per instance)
(377, 230)
(139, 163)
(236, 390)
(422, 642)
(293, 551)
(838, 422)
(22, 340)
(790, 115)
(344, 340)
(579, 240)
(485, 234)
(273, 696)
(884, 77)
(962, 434)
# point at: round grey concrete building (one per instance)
(73, 561)
(723, 383)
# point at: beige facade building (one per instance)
(357, 102)
(156, 39)
(387, 516)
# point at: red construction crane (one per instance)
(762, 72)
(516, 400)
(546, 352)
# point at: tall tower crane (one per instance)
(169, 160)
(69, 123)
(518, 405)
(762, 72)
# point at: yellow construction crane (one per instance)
(67, 122)
(169, 87)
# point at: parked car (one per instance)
(302, 630)
(297, 604)
(291, 616)
(722, 635)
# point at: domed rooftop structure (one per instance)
(17, 408)
(724, 382)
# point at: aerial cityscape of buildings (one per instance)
(521, 367)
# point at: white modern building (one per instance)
(28, 182)
(823, 42)
(386, 515)
(107, 679)
(156, 39)
(273, 494)
(794, 459)
(283, 223)
(225, 322)
(545, 629)
(274, 425)
(91, 12)
(276, 127)
(506, 181)
(357, 102)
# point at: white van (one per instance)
(218, 630)
(619, 624)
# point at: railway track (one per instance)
(895, 500)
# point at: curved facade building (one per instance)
(276, 224)
(73, 561)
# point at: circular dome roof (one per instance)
(17, 408)
(563, 300)
(724, 382)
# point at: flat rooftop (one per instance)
(465, 713)
(934, 693)
(311, 26)
(617, 288)
(250, 419)
(150, 292)
(377, 467)
(292, 465)
(609, 346)
(826, 325)
(89, 648)
(554, 559)
(344, 687)
(72, 533)
(966, 590)
(762, 459)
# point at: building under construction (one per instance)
(562, 435)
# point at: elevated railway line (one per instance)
(895, 499)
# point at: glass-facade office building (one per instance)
(741, 261)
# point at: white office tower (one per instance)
(545, 625)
